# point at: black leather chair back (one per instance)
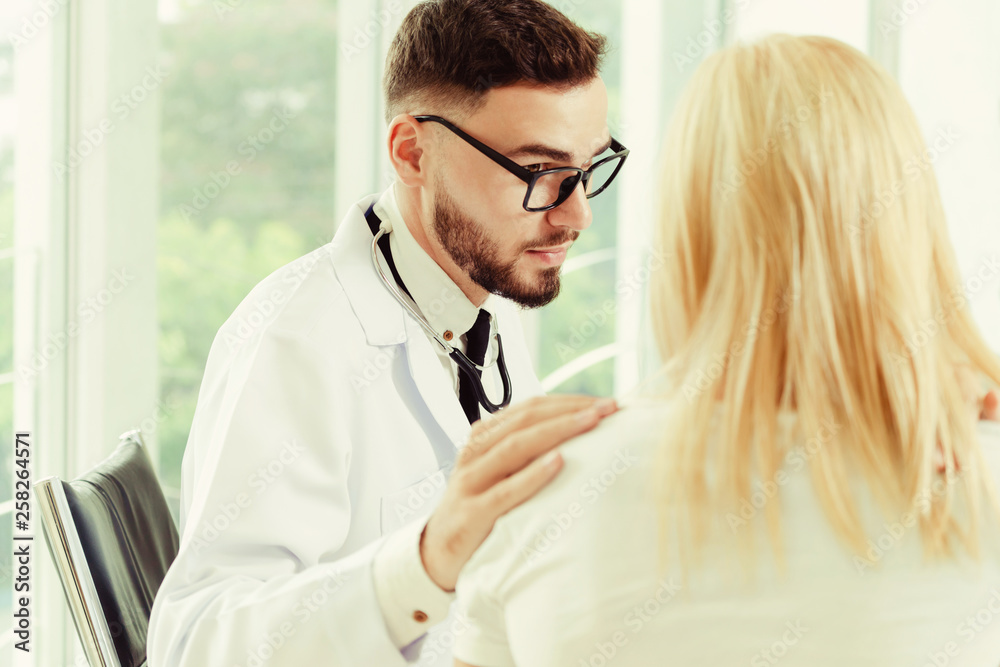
(128, 540)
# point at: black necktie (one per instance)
(477, 340)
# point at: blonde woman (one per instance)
(803, 483)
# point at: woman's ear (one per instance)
(406, 150)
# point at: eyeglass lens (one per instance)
(558, 186)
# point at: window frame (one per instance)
(69, 74)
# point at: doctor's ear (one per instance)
(406, 141)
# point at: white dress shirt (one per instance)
(571, 577)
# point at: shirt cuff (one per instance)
(410, 600)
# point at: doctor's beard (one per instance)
(472, 249)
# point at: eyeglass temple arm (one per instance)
(496, 156)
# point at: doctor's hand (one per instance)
(508, 459)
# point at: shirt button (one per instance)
(448, 335)
(419, 616)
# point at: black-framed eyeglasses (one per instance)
(549, 188)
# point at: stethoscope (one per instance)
(380, 230)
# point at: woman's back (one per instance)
(571, 577)
(785, 289)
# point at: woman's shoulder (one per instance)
(601, 465)
(614, 455)
(623, 443)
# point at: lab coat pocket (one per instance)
(413, 502)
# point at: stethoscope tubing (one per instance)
(465, 364)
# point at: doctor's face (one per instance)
(479, 218)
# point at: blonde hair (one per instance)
(810, 270)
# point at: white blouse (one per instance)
(571, 578)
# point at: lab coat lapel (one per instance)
(386, 323)
(379, 314)
(434, 384)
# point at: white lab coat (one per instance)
(323, 423)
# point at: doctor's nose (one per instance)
(574, 212)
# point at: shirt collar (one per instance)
(435, 294)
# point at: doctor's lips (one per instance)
(550, 255)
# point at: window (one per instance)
(246, 174)
(574, 336)
(847, 20)
(950, 72)
(7, 130)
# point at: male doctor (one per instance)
(326, 434)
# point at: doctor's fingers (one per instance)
(520, 448)
(494, 428)
(507, 494)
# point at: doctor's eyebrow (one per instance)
(554, 154)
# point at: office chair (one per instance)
(112, 539)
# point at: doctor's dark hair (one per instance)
(452, 52)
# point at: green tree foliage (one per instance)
(235, 75)
(253, 85)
